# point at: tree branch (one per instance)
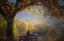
(18, 9)
(24, 7)
(10, 8)
(15, 11)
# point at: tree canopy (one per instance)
(52, 7)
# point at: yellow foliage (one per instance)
(15, 29)
(24, 26)
(31, 25)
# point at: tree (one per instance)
(15, 29)
(23, 26)
(9, 9)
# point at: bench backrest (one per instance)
(23, 38)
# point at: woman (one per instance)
(28, 32)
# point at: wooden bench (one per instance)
(28, 38)
(21, 38)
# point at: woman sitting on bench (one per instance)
(30, 36)
(28, 32)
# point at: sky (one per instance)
(61, 1)
(25, 16)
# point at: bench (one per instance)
(21, 38)
(28, 38)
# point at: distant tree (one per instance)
(44, 29)
(9, 9)
(53, 33)
(61, 38)
(23, 26)
(31, 26)
(15, 29)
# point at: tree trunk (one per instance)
(9, 30)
